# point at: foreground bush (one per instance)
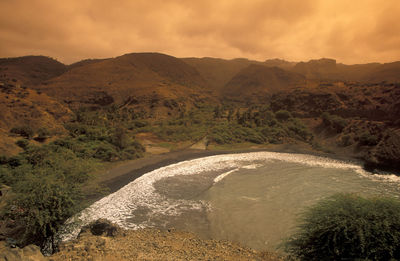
(348, 227)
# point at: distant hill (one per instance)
(279, 63)
(146, 79)
(218, 72)
(30, 70)
(389, 72)
(259, 80)
(328, 69)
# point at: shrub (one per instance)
(368, 139)
(43, 133)
(23, 143)
(346, 140)
(24, 131)
(335, 122)
(348, 227)
(283, 115)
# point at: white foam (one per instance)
(223, 175)
(118, 207)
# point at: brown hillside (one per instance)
(22, 106)
(371, 101)
(258, 81)
(279, 63)
(138, 79)
(30, 70)
(218, 72)
(389, 72)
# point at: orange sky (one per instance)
(351, 31)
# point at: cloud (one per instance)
(353, 32)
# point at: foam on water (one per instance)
(119, 207)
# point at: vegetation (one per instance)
(47, 180)
(368, 139)
(334, 122)
(24, 131)
(229, 125)
(348, 227)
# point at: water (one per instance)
(251, 198)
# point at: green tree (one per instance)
(43, 203)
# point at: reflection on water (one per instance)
(251, 198)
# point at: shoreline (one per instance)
(118, 176)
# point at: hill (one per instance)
(259, 81)
(22, 107)
(328, 69)
(218, 72)
(30, 70)
(145, 80)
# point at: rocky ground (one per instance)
(104, 241)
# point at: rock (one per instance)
(28, 253)
(102, 227)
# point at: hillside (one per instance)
(148, 81)
(30, 70)
(328, 69)
(256, 82)
(21, 106)
(218, 72)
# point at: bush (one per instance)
(43, 133)
(368, 139)
(346, 140)
(283, 115)
(24, 131)
(335, 122)
(348, 227)
(23, 143)
(43, 204)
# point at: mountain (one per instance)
(218, 72)
(279, 63)
(259, 81)
(328, 69)
(30, 70)
(146, 79)
(389, 72)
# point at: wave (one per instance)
(120, 207)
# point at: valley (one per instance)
(64, 127)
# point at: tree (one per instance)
(348, 227)
(43, 202)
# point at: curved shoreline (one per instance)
(126, 172)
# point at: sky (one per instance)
(350, 31)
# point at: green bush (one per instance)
(23, 143)
(348, 227)
(335, 122)
(283, 115)
(24, 131)
(368, 139)
(42, 203)
(43, 133)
